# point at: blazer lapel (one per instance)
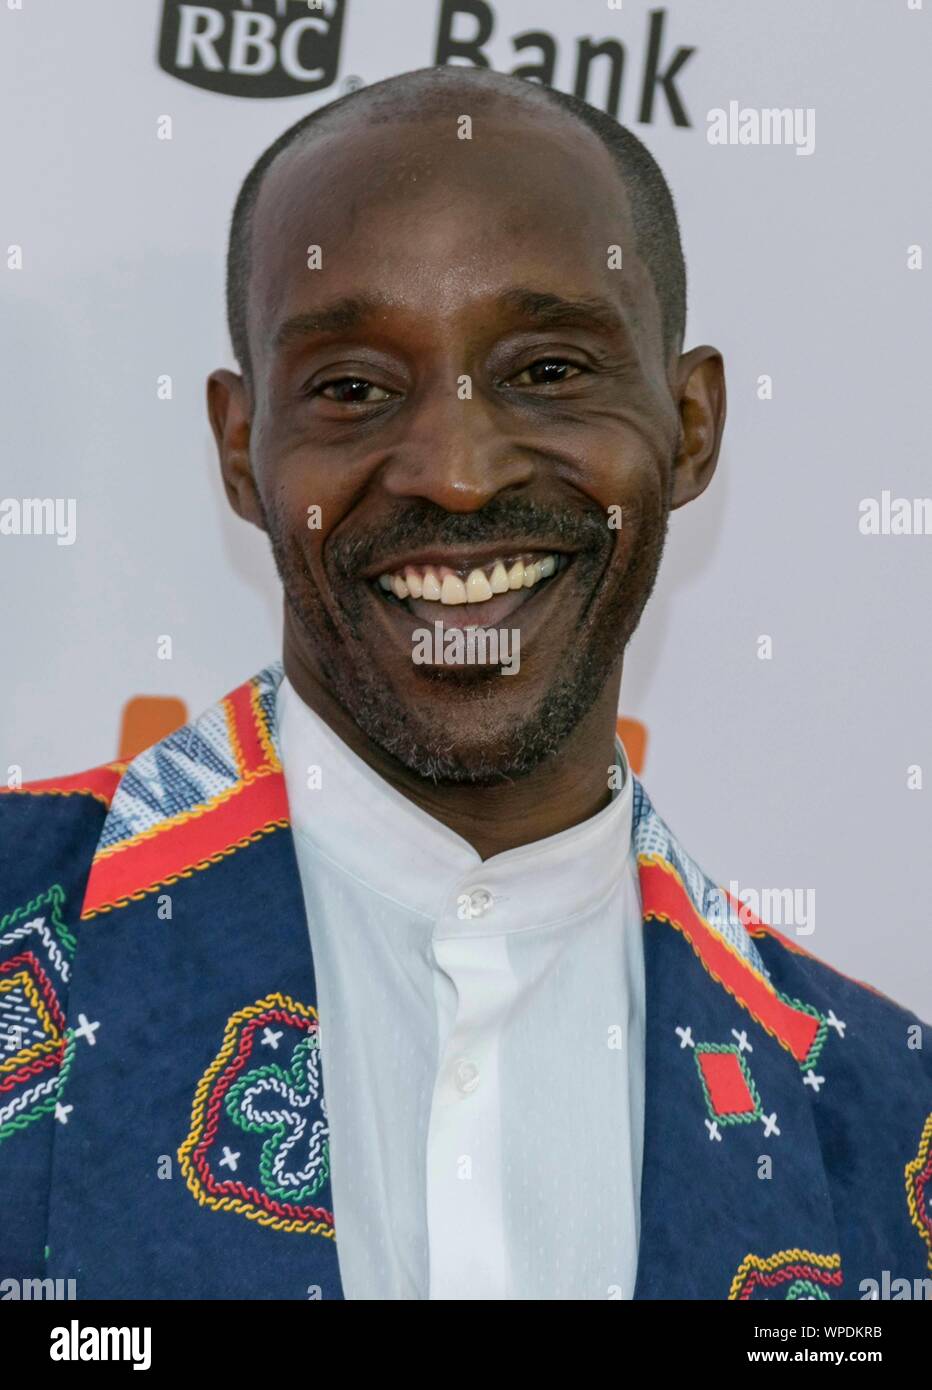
(734, 1197)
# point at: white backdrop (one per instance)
(787, 773)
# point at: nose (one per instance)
(455, 452)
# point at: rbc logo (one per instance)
(253, 48)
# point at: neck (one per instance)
(562, 792)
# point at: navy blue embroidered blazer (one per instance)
(163, 1126)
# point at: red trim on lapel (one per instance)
(664, 898)
(194, 840)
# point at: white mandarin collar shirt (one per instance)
(482, 1037)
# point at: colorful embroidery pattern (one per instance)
(808, 1276)
(919, 1187)
(36, 1047)
(798, 1027)
(805, 1288)
(207, 790)
(259, 1140)
(727, 1085)
(731, 1097)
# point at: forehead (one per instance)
(409, 212)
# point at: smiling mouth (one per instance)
(460, 595)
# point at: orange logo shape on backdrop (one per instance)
(633, 735)
(148, 718)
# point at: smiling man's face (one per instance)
(478, 403)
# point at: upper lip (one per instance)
(462, 557)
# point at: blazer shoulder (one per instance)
(49, 831)
(98, 783)
(54, 816)
(753, 959)
(884, 1047)
(792, 966)
(53, 830)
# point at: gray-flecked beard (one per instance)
(497, 751)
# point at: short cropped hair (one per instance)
(656, 229)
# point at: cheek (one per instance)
(631, 491)
(307, 509)
(615, 461)
(628, 484)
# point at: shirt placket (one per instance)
(474, 987)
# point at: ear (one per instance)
(229, 412)
(700, 390)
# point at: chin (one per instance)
(470, 742)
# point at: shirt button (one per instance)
(466, 1074)
(480, 901)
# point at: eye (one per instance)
(350, 390)
(547, 371)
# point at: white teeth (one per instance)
(414, 582)
(499, 580)
(454, 590)
(431, 588)
(478, 588)
(423, 581)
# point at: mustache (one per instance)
(423, 523)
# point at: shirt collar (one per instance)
(359, 821)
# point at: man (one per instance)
(536, 1054)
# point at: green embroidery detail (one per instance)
(818, 1042)
(804, 1288)
(281, 1133)
(53, 900)
(743, 1117)
(57, 895)
(49, 1102)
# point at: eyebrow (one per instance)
(555, 311)
(544, 309)
(335, 317)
